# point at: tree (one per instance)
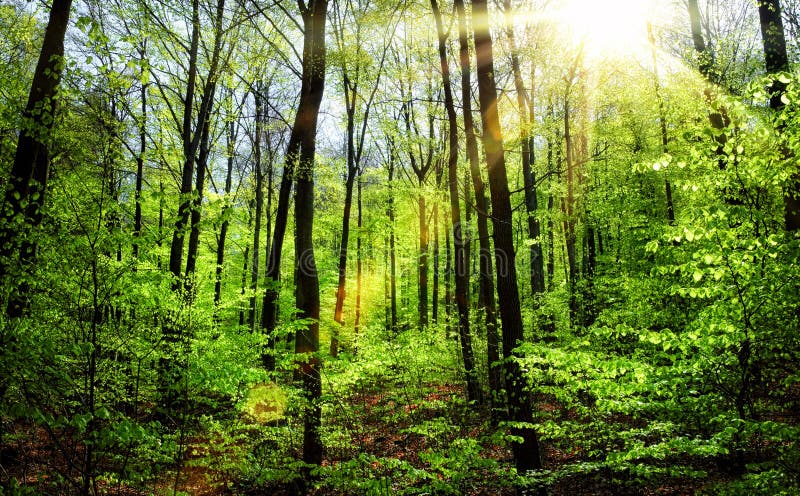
(776, 59)
(486, 300)
(526, 454)
(314, 15)
(354, 65)
(459, 237)
(26, 191)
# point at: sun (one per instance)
(607, 28)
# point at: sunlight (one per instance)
(608, 28)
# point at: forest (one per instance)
(399, 247)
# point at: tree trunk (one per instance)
(359, 265)
(435, 291)
(197, 202)
(27, 184)
(306, 278)
(184, 209)
(259, 197)
(226, 213)
(662, 119)
(422, 268)
(526, 454)
(570, 237)
(459, 242)
(774, 41)
(392, 253)
(486, 298)
(137, 215)
(526, 115)
(338, 316)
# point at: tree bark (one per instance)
(137, 215)
(774, 41)
(306, 278)
(226, 213)
(459, 241)
(359, 263)
(392, 253)
(259, 197)
(27, 184)
(486, 298)
(526, 454)
(526, 114)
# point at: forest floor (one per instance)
(382, 436)
(407, 427)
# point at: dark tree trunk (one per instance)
(526, 115)
(422, 268)
(197, 202)
(421, 167)
(459, 241)
(359, 264)
(226, 213)
(245, 271)
(27, 184)
(184, 210)
(570, 237)
(526, 454)
(392, 253)
(435, 289)
(486, 297)
(774, 41)
(306, 278)
(589, 310)
(137, 215)
(259, 197)
(662, 119)
(338, 316)
(305, 120)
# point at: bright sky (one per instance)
(609, 27)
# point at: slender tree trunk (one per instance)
(486, 297)
(422, 294)
(662, 119)
(526, 454)
(26, 190)
(448, 275)
(259, 197)
(774, 41)
(570, 237)
(526, 114)
(306, 278)
(435, 292)
(392, 253)
(184, 210)
(245, 271)
(359, 264)
(461, 260)
(172, 362)
(226, 213)
(197, 202)
(137, 215)
(338, 316)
